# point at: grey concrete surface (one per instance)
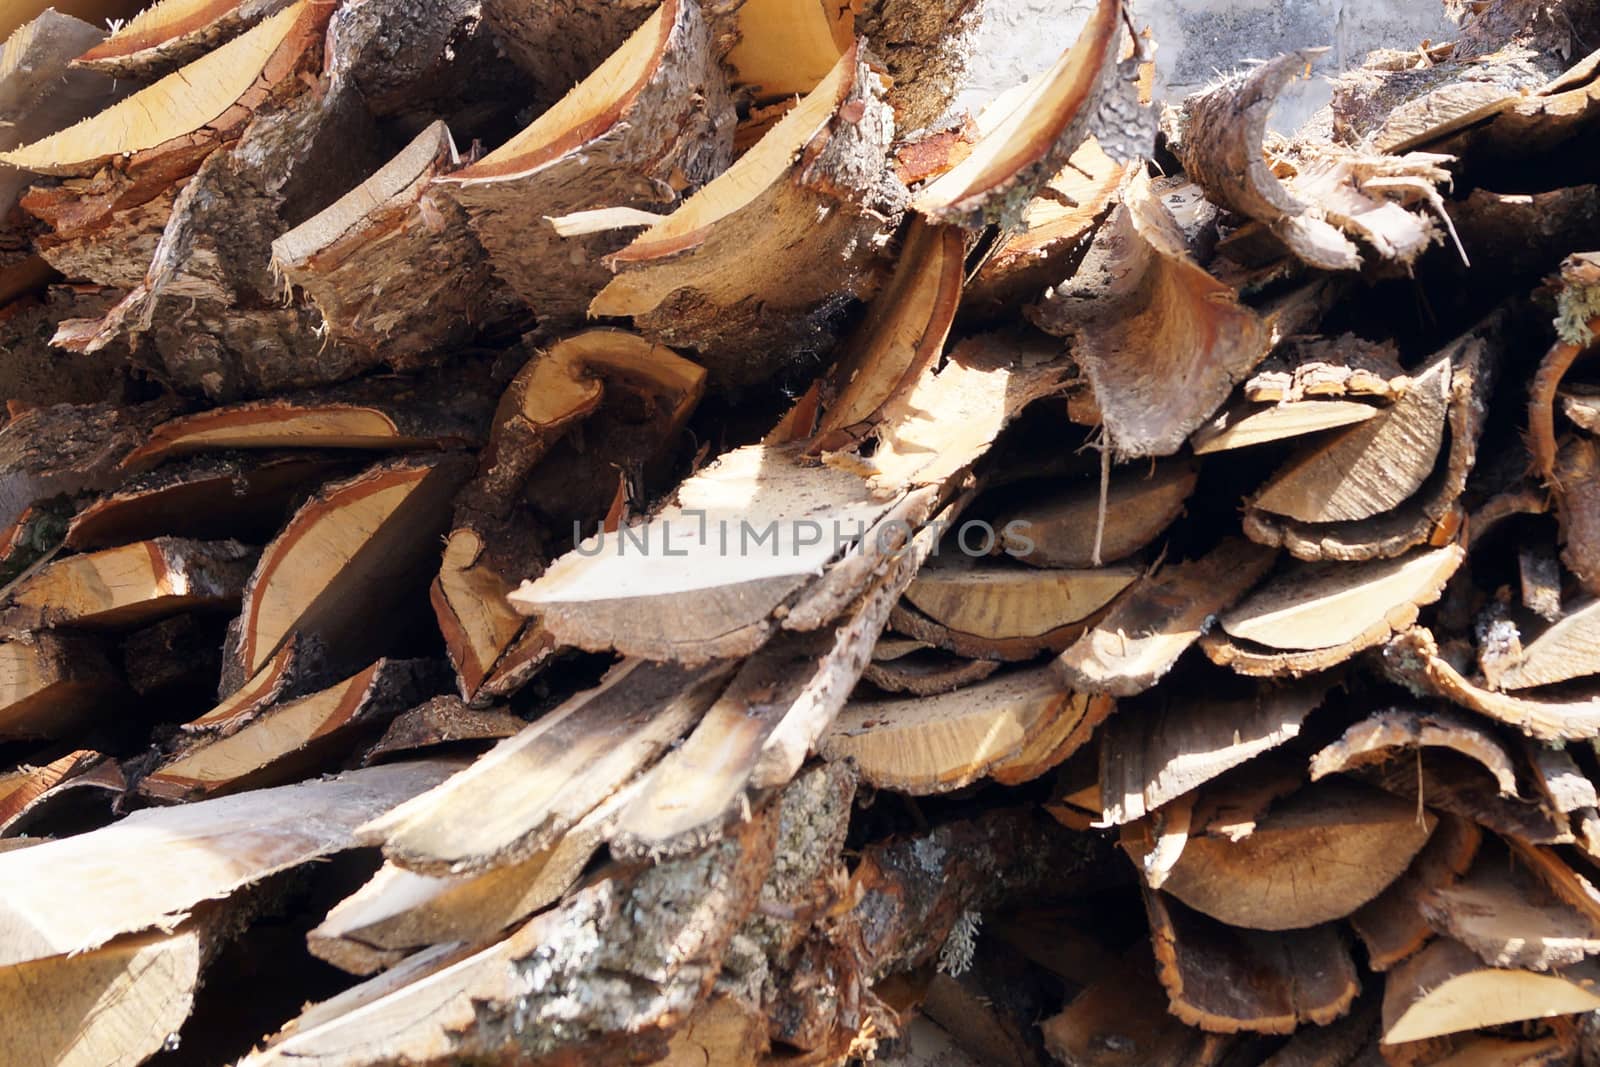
(1199, 39)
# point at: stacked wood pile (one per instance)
(725, 564)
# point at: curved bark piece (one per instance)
(232, 842)
(1317, 856)
(807, 201)
(1050, 243)
(51, 683)
(1412, 659)
(130, 585)
(1162, 342)
(565, 383)
(1370, 468)
(1383, 737)
(531, 788)
(1243, 425)
(291, 739)
(1575, 325)
(1150, 757)
(346, 559)
(20, 788)
(1221, 149)
(1392, 925)
(393, 271)
(1059, 529)
(1316, 368)
(903, 334)
(1312, 617)
(924, 745)
(1013, 612)
(1335, 193)
(1084, 90)
(1446, 989)
(1457, 768)
(442, 720)
(1432, 514)
(1156, 621)
(170, 33)
(1227, 981)
(926, 672)
(204, 101)
(1509, 921)
(83, 801)
(652, 122)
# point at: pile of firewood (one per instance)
(616, 531)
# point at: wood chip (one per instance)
(346, 558)
(1391, 925)
(285, 740)
(924, 745)
(1317, 856)
(1314, 616)
(216, 847)
(130, 585)
(1371, 467)
(1509, 921)
(1446, 989)
(1152, 753)
(1130, 649)
(1227, 980)
(685, 280)
(541, 782)
(1042, 128)
(51, 684)
(1243, 425)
